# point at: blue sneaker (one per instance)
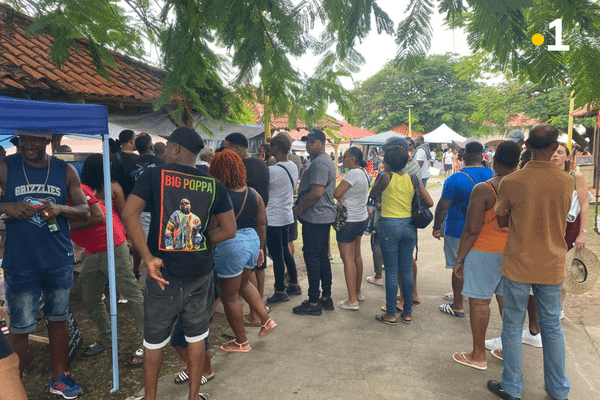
(65, 386)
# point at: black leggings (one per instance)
(277, 243)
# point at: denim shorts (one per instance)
(23, 288)
(351, 231)
(5, 349)
(233, 255)
(450, 248)
(190, 300)
(178, 338)
(482, 275)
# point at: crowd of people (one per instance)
(203, 222)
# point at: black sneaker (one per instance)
(307, 309)
(496, 388)
(278, 297)
(327, 304)
(293, 289)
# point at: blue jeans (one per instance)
(397, 239)
(548, 303)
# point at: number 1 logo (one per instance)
(558, 46)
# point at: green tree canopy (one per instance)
(503, 29)
(435, 88)
(260, 36)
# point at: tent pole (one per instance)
(111, 261)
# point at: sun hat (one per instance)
(581, 269)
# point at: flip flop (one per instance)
(206, 379)
(379, 317)
(373, 281)
(361, 298)
(448, 296)
(344, 305)
(268, 326)
(94, 349)
(462, 359)
(139, 353)
(398, 309)
(182, 377)
(446, 308)
(498, 354)
(239, 349)
(405, 320)
(204, 396)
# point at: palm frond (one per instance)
(414, 33)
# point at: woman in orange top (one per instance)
(479, 255)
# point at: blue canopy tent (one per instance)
(68, 118)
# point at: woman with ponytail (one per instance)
(352, 193)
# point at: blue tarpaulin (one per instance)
(69, 118)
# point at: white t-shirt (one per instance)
(355, 198)
(448, 158)
(281, 194)
(422, 156)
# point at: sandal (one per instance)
(241, 347)
(379, 317)
(398, 309)
(94, 349)
(374, 281)
(267, 328)
(247, 322)
(405, 318)
(139, 353)
(183, 377)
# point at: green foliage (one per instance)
(435, 88)
(260, 36)
(503, 30)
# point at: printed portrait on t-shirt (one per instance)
(185, 201)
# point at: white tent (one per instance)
(378, 139)
(443, 134)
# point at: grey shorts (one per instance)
(191, 300)
(145, 221)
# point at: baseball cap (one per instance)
(314, 134)
(398, 141)
(282, 142)
(186, 137)
(515, 136)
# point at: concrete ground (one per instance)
(348, 354)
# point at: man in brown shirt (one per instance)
(533, 202)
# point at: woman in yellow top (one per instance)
(397, 233)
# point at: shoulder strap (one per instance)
(366, 176)
(493, 189)
(468, 176)
(288, 174)
(243, 204)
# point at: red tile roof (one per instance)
(25, 65)
(403, 130)
(346, 130)
(521, 120)
(282, 121)
(586, 111)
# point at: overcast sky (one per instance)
(379, 49)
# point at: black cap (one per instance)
(314, 134)
(186, 137)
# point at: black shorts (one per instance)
(447, 167)
(293, 230)
(191, 300)
(351, 231)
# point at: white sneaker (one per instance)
(493, 344)
(532, 340)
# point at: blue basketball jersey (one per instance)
(29, 243)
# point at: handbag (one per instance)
(421, 214)
(341, 216)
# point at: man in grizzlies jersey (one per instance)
(38, 255)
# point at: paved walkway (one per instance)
(348, 354)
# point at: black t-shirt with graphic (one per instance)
(136, 168)
(182, 200)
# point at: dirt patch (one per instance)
(94, 374)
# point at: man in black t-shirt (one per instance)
(257, 177)
(147, 159)
(180, 281)
(121, 159)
